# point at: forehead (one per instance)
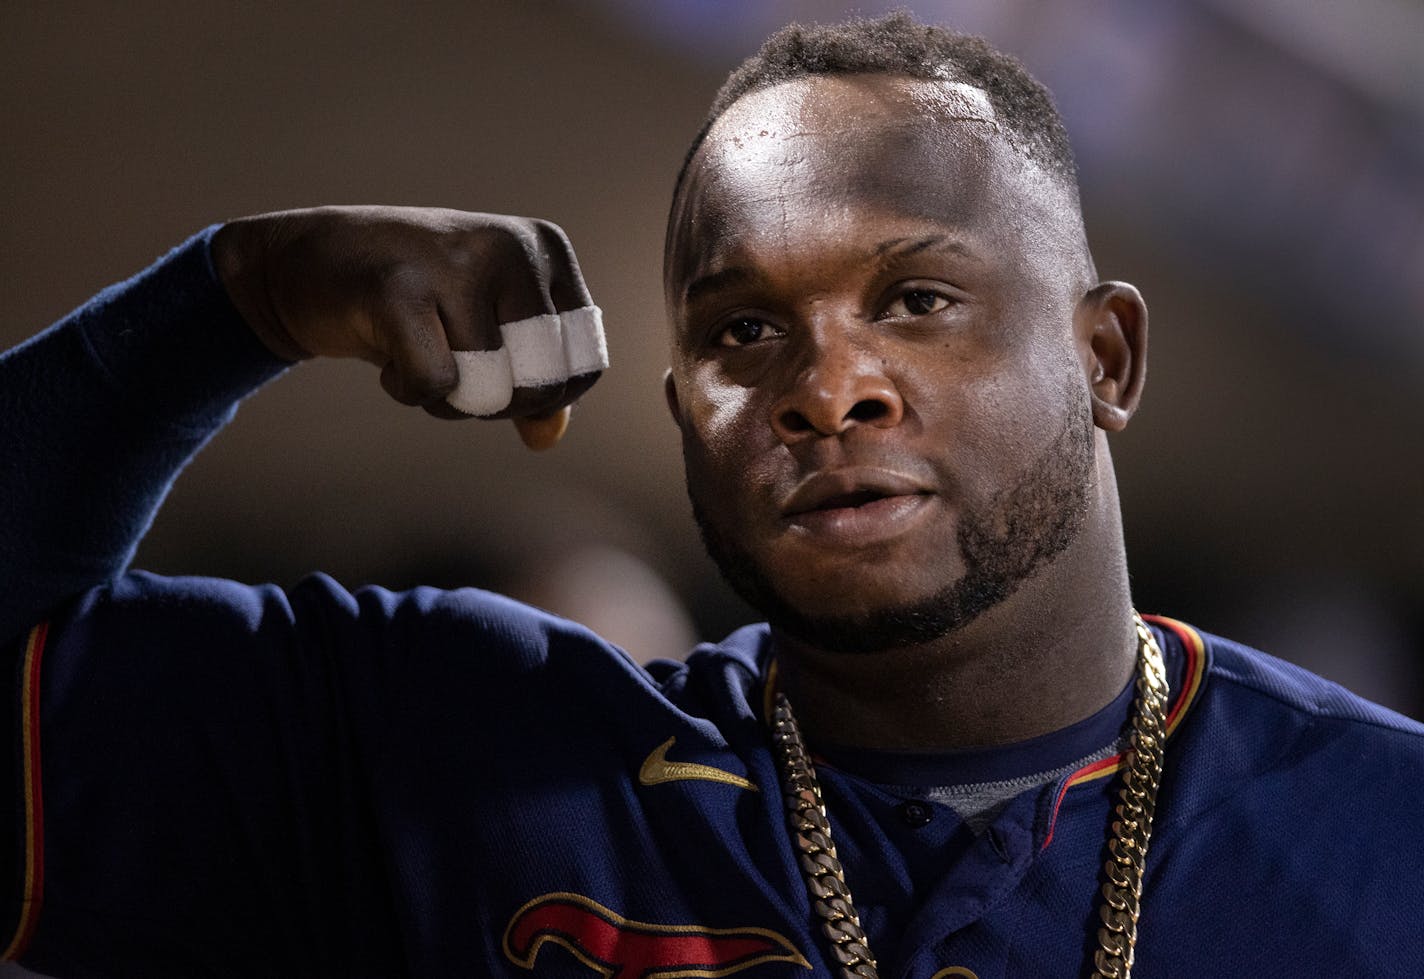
(849, 102)
(816, 156)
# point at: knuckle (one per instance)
(566, 278)
(514, 239)
(516, 246)
(417, 374)
(408, 283)
(551, 236)
(557, 247)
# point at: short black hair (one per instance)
(897, 44)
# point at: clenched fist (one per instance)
(419, 292)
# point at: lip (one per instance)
(856, 507)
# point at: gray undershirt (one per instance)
(978, 803)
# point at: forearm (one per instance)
(100, 413)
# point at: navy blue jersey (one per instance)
(214, 779)
(227, 780)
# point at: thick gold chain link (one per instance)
(811, 830)
(1127, 847)
(1132, 823)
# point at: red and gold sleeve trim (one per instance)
(1193, 672)
(29, 815)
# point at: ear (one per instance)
(1110, 325)
(670, 393)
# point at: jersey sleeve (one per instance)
(101, 411)
(196, 778)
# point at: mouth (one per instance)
(848, 501)
(849, 489)
(854, 508)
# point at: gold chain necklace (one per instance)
(1126, 848)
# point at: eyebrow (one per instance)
(900, 247)
(735, 275)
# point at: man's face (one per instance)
(885, 420)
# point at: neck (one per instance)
(1056, 651)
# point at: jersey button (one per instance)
(915, 814)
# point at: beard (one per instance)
(1003, 542)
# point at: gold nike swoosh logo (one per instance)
(657, 769)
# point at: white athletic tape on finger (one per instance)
(537, 352)
(486, 382)
(585, 349)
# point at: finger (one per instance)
(485, 383)
(526, 402)
(539, 402)
(522, 275)
(585, 349)
(536, 401)
(446, 411)
(567, 289)
(530, 372)
(558, 338)
(545, 352)
(512, 289)
(575, 387)
(544, 432)
(469, 323)
(421, 368)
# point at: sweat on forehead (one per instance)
(850, 103)
(866, 97)
(915, 147)
(867, 140)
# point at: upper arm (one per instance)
(195, 781)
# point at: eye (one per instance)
(740, 333)
(916, 302)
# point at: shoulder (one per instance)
(319, 615)
(1286, 791)
(1262, 731)
(1273, 685)
(732, 670)
(439, 633)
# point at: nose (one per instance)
(839, 388)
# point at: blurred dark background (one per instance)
(1254, 166)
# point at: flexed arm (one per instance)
(465, 314)
(101, 411)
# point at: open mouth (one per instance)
(861, 517)
(849, 501)
(856, 506)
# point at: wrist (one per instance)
(238, 250)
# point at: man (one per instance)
(893, 372)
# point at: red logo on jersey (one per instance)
(618, 948)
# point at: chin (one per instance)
(858, 604)
(869, 630)
(856, 594)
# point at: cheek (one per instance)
(1022, 411)
(1000, 413)
(991, 415)
(716, 413)
(719, 418)
(735, 465)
